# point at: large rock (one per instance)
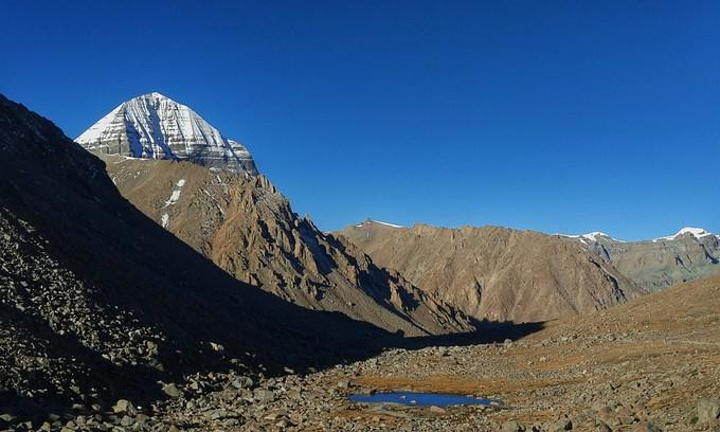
(708, 411)
(124, 406)
(172, 390)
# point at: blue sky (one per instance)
(557, 116)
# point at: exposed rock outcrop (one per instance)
(249, 229)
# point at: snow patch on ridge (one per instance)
(372, 221)
(698, 233)
(593, 237)
(175, 196)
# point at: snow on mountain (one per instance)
(593, 236)
(153, 126)
(698, 233)
(387, 224)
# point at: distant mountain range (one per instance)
(169, 256)
(698, 233)
(428, 278)
(656, 264)
(496, 273)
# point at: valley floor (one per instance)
(650, 365)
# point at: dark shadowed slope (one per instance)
(97, 301)
(246, 227)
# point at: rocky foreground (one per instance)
(650, 365)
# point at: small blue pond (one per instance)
(419, 399)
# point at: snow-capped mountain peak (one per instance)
(698, 233)
(592, 237)
(153, 126)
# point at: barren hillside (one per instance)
(496, 273)
(247, 227)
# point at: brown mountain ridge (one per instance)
(246, 227)
(496, 273)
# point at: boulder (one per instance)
(512, 426)
(124, 406)
(708, 411)
(172, 390)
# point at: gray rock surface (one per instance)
(708, 411)
(660, 263)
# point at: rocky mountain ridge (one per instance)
(496, 274)
(99, 303)
(656, 264)
(248, 228)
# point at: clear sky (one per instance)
(557, 116)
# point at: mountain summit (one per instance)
(153, 126)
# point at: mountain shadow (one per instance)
(248, 228)
(487, 332)
(98, 302)
(84, 264)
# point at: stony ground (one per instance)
(653, 364)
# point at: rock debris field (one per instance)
(650, 365)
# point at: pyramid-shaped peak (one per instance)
(153, 126)
(156, 101)
(152, 96)
(157, 95)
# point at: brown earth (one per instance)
(497, 273)
(649, 365)
(656, 357)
